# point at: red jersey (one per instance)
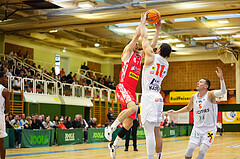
(130, 72)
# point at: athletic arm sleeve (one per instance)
(222, 91)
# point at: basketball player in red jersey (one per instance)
(125, 90)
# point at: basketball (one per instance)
(153, 16)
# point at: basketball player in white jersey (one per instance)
(154, 70)
(4, 109)
(205, 111)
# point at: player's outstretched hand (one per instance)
(143, 18)
(158, 25)
(219, 73)
(171, 111)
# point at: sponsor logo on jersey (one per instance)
(153, 67)
(154, 88)
(158, 100)
(133, 68)
(134, 59)
(133, 75)
(151, 72)
(154, 85)
(203, 111)
(210, 136)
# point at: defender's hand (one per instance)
(219, 73)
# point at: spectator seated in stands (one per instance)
(166, 123)
(108, 123)
(7, 122)
(68, 124)
(16, 84)
(110, 114)
(55, 120)
(3, 62)
(36, 123)
(69, 78)
(17, 71)
(23, 120)
(26, 57)
(83, 124)
(61, 124)
(9, 73)
(16, 119)
(172, 124)
(47, 123)
(219, 127)
(28, 124)
(84, 66)
(92, 123)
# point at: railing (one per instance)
(36, 86)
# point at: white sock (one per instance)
(159, 155)
(115, 124)
(150, 156)
(117, 141)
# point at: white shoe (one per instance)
(112, 150)
(108, 133)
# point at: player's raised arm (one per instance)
(187, 108)
(222, 91)
(148, 50)
(155, 38)
(130, 47)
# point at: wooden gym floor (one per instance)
(226, 146)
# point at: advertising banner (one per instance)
(37, 138)
(181, 97)
(231, 117)
(96, 135)
(69, 136)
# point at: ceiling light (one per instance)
(64, 50)
(53, 31)
(96, 44)
(185, 19)
(189, 5)
(223, 21)
(180, 45)
(207, 38)
(85, 5)
(125, 30)
(236, 36)
(169, 41)
(226, 28)
(225, 16)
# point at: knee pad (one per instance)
(122, 132)
(190, 149)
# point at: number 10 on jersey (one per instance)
(161, 68)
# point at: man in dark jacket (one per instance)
(36, 124)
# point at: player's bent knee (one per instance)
(122, 132)
(190, 149)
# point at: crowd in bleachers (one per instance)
(85, 77)
(37, 121)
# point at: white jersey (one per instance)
(152, 76)
(151, 101)
(2, 100)
(205, 113)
